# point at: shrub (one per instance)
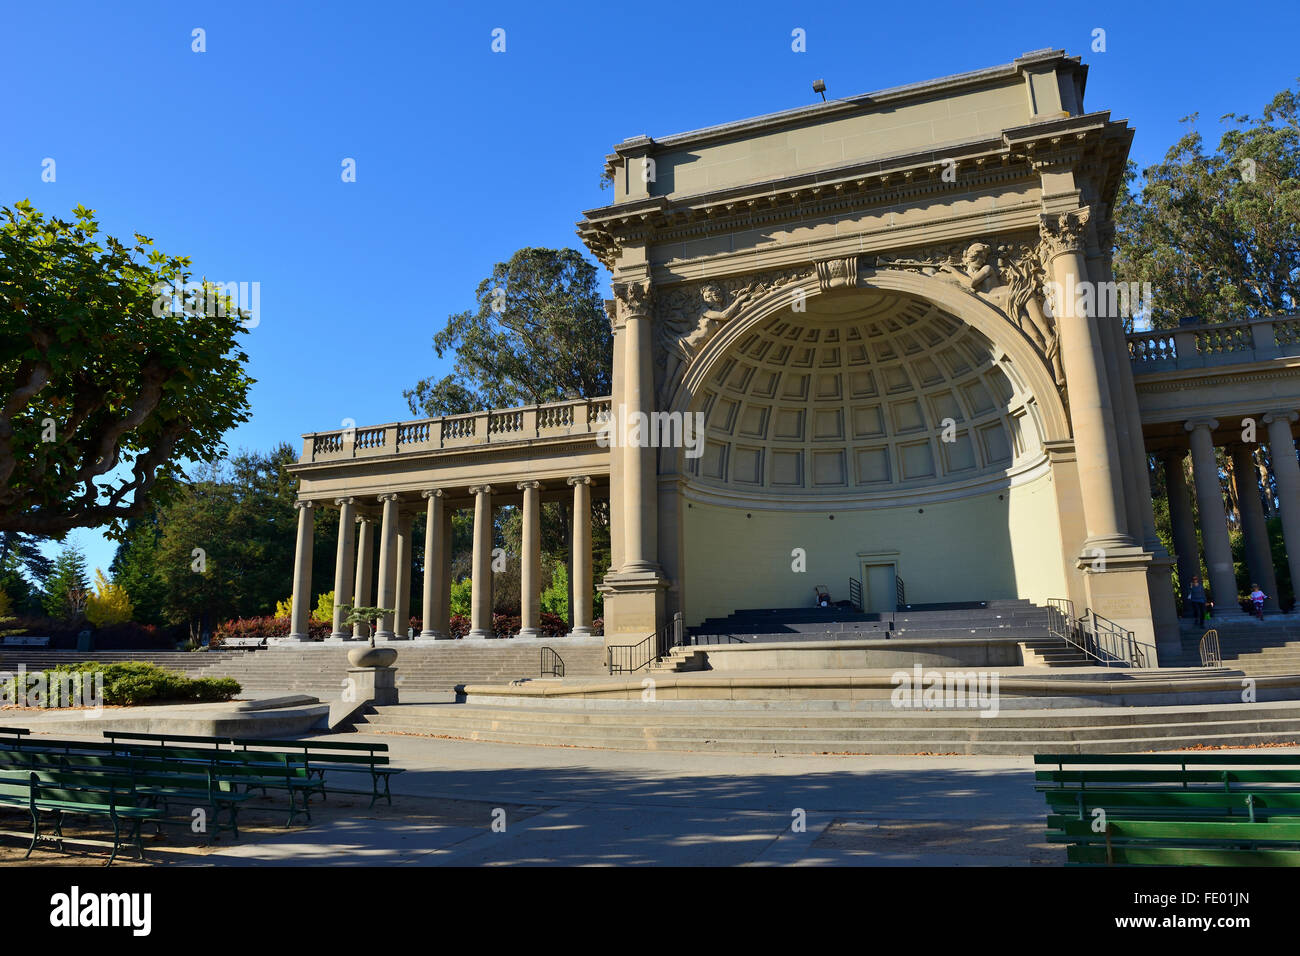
(135, 682)
(458, 625)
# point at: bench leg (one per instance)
(36, 832)
(117, 841)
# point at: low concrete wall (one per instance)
(269, 717)
(835, 655)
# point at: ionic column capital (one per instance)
(1210, 424)
(432, 493)
(1063, 232)
(480, 489)
(1280, 415)
(578, 480)
(393, 496)
(340, 502)
(528, 485)
(304, 503)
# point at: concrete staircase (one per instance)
(424, 668)
(1053, 652)
(1259, 648)
(792, 730)
(979, 619)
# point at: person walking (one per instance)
(1196, 598)
(1257, 599)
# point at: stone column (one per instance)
(1181, 519)
(433, 613)
(640, 496)
(302, 572)
(1115, 567)
(1091, 415)
(365, 584)
(1254, 529)
(1286, 472)
(402, 582)
(387, 567)
(481, 579)
(343, 570)
(530, 562)
(1214, 517)
(581, 556)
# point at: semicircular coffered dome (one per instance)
(864, 392)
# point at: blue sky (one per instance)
(233, 156)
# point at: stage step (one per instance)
(664, 727)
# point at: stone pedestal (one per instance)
(375, 684)
(1117, 590)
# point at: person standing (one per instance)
(1196, 598)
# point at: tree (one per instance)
(107, 381)
(67, 589)
(21, 565)
(110, 603)
(540, 334)
(135, 567)
(1218, 234)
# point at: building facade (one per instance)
(872, 344)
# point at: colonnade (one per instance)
(1221, 582)
(354, 582)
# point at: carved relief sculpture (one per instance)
(1010, 278)
(689, 316)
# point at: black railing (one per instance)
(1210, 649)
(1097, 637)
(900, 593)
(855, 593)
(552, 663)
(629, 658)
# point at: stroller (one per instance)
(823, 595)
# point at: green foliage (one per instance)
(67, 589)
(461, 597)
(131, 683)
(555, 599)
(1218, 234)
(94, 358)
(540, 334)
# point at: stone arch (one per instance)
(1012, 347)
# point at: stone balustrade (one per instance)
(1206, 345)
(557, 419)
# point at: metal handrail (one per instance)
(552, 664)
(1210, 649)
(1097, 637)
(900, 593)
(629, 658)
(855, 593)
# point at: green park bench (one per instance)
(339, 757)
(254, 771)
(62, 793)
(162, 783)
(318, 756)
(15, 732)
(1206, 809)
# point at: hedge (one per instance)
(136, 682)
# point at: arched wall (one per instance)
(995, 534)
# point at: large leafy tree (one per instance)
(106, 385)
(1217, 233)
(540, 334)
(22, 565)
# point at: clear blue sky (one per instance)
(463, 155)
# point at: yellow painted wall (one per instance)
(975, 548)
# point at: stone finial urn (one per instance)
(372, 656)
